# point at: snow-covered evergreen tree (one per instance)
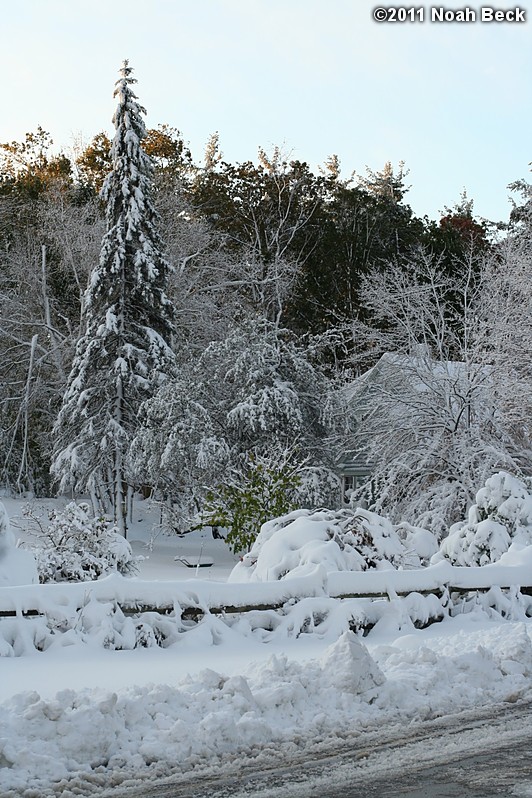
(500, 517)
(125, 351)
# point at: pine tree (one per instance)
(125, 352)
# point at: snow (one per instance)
(77, 717)
(500, 518)
(17, 566)
(342, 540)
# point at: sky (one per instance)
(315, 77)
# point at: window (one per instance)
(351, 483)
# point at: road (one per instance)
(473, 754)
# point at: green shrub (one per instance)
(262, 491)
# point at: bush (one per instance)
(263, 491)
(77, 547)
(501, 516)
(335, 540)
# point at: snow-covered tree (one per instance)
(271, 388)
(179, 449)
(255, 392)
(501, 515)
(439, 412)
(125, 351)
(49, 241)
(268, 214)
(509, 302)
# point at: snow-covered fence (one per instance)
(215, 597)
(435, 578)
(134, 595)
(119, 613)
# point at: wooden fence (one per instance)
(194, 598)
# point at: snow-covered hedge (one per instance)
(500, 517)
(78, 547)
(336, 540)
(359, 540)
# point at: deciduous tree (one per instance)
(445, 406)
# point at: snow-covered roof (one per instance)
(401, 363)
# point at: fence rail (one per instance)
(194, 597)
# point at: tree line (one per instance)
(182, 327)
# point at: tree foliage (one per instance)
(257, 492)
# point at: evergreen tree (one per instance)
(124, 354)
(359, 229)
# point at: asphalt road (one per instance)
(476, 754)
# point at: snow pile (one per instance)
(348, 667)
(500, 518)
(17, 567)
(82, 742)
(77, 547)
(88, 734)
(335, 540)
(481, 663)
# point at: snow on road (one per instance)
(469, 754)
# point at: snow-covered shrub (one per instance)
(17, 567)
(501, 516)
(423, 543)
(78, 547)
(336, 540)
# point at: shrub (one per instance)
(78, 547)
(263, 491)
(501, 516)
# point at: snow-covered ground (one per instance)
(79, 719)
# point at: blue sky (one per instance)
(314, 76)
